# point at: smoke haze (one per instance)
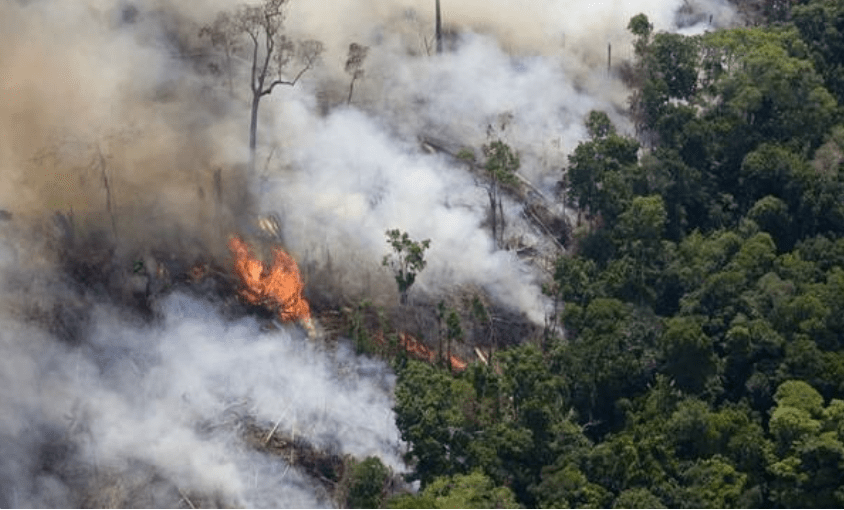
(110, 118)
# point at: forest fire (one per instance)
(278, 287)
(420, 351)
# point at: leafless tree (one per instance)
(254, 34)
(354, 65)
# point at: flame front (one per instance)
(278, 287)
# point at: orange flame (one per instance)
(277, 287)
(420, 351)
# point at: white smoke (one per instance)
(172, 396)
(529, 71)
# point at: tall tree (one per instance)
(268, 52)
(500, 168)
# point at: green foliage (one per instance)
(430, 417)
(821, 26)
(500, 166)
(712, 483)
(771, 214)
(637, 498)
(596, 172)
(367, 483)
(640, 26)
(501, 162)
(452, 331)
(676, 64)
(768, 91)
(810, 452)
(474, 490)
(599, 125)
(406, 261)
(689, 354)
(568, 487)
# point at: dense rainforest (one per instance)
(702, 300)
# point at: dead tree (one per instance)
(267, 52)
(354, 65)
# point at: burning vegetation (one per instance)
(278, 286)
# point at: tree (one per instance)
(567, 487)
(763, 90)
(367, 484)
(688, 352)
(271, 51)
(453, 331)
(354, 65)
(810, 449)
(821, 26)
(713, 483)
(637, 498)
(666, 67)
(430, 418)
(641, 28)
(407, 261)
(474, 490)
(771, 214)
(501, 165)
(598, 169)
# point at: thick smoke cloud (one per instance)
(109, 117)
(171, 398)
(528, 74)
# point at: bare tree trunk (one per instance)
(253, 131)
(501, 222)
(218, 201)
(439, 29)
(351, 89)
(102, 163)
(229, 71)
(494, 219)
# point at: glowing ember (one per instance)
(276, 287)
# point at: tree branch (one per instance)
(270, 46)
(285, 82)
(252, 84)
